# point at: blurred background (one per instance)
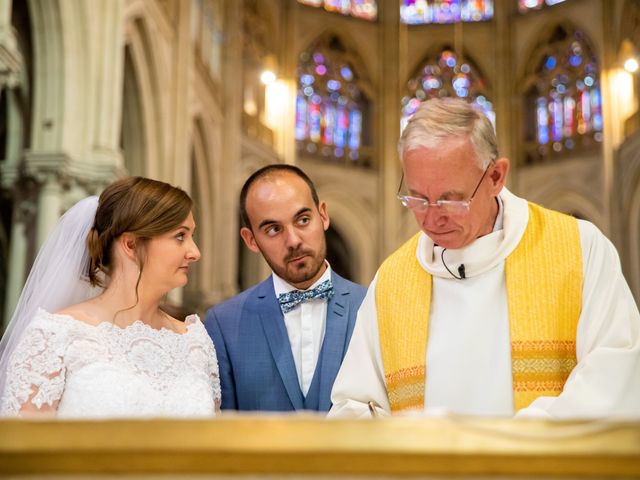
(200, 93)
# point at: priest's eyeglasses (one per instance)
(451, 207)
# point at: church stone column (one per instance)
(10, 58)
(288, 63)
(391, 75)
(230, 168)
(49, 206)
(179, 160)
(23, 211)
(506, 107)
(103, 103)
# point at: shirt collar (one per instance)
(281, 286)
(500, 217)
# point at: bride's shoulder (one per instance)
(84, 312)
(46, 321)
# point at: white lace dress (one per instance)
(107, 371)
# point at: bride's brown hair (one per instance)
(140, 206)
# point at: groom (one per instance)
(280, 343)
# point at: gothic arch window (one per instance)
(445, 11)
(528, 5)
(446, 76)
(564, 106)
(366, 9)
(331, 105)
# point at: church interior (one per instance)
(201, 93)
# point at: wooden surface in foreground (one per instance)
(305, 444)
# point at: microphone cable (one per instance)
(461, 269)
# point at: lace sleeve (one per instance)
(36, 372)
(214, 375)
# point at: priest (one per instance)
(498, 306)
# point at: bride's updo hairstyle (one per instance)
(140, 206)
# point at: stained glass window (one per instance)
(445, 11)
(446, 76)
(207, 31)
(330, 106)
(526, 5)
(367, 9)
(564, 103)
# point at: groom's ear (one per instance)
(249, 239)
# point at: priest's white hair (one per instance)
(441, 118)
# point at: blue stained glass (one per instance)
(333, 85)
(431, 82)
(550, 63)
(367, 9)
(306, 79)
(586, 106)
(543, 121)
(315, 121)
(569, 115)
(346, 73)
(441, 77)
(596, 109)
(445, 11)
(526, 5)
(301, 118)
(340, 137)
(355, 131)
(556, 118)
(324, 111)
(569, 85)
(329, 119)
(461, 82)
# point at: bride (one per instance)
(88, 338)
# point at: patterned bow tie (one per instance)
(290, 300)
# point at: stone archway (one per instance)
(142, 99)
(338, 253)
(132, 137)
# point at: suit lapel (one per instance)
(333, 345)
(272, 321)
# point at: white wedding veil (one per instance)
(57, 279)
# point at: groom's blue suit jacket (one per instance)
(257, 371)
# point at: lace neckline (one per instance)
(190, 321)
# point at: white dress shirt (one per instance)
(468, 356)
(305, 325)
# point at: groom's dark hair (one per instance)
(269, 170)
